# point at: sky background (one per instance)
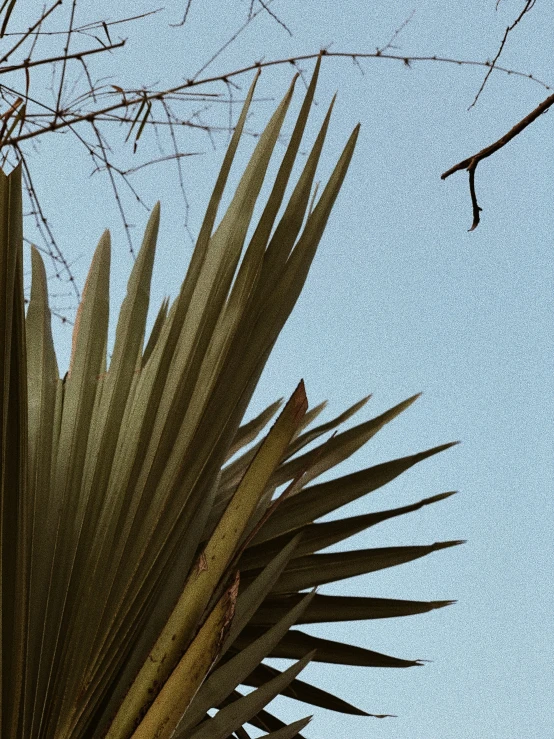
(401, 298)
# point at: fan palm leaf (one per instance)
(150, 559)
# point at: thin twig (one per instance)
(88, 26)
(528, 5)
(30, 31)
(395, 35)
(65, 58)
(27, 63)
(184, 20)
(43, 227)
(268, 10)
(178, 155)
(109, 169)
(228, 43)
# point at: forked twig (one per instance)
(471, 162)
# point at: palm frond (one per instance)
(149, 560)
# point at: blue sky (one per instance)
(401, 299)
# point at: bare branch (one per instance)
(86, 107)
(157, 95)
(471, 162)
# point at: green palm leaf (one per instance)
(303, 691)
(324, 608)
(149, 561)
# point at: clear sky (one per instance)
(401, 299)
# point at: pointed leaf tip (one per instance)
(444, 447)
(299, 401)
(447, 544)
